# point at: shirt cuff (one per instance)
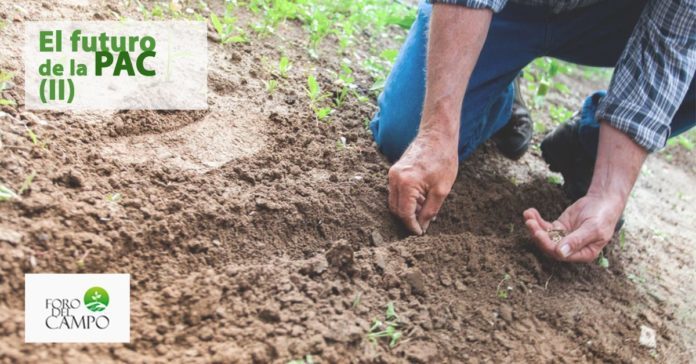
(632, 120)
(495, 5)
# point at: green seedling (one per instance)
(274, 12)
(636, 279)
(319, 28)
(27, 183)
(503, 292)
(555, 180)
(386, 329)
(346, 81)
(114, 197)
(540, 76)
(284, 67)
(356, 300)
(315, 97)
(685, 142)
(389, 55)
(602, 261)
(341, 143)
(6, 193)
(35, 140)
(5, 77)
(559, 114)
(226, 28)
(622, 239)
(271, 86)
(539, 127)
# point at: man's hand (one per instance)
(421, 180)
(589, 222)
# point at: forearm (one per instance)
(619, 160)
(456, 37)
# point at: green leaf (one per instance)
(323, 113)
(405, 22)
(543, 88)
(389, 55)
(394, 339)
(32, 136)
(27, 183)
(603, 262)
(378, 85)
(391, 312)
(313, 87)
(6, 193)
(5, 102)
(217, 24)
(555, 180)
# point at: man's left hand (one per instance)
(589, 224)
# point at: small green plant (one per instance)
(315, 97)
(341, 143)
(307, 360)
(559, 114)
(5, 77)
(226, 28)
(114, 197)
(356, 300)
(685, 142)
(35, 138)
(27, 183)
(622, 239)
(346, 81)
(6, 193)
(271, 86)
(602, 261)
(386, 329)
(540, 76)
(539, 127)
(555, 179)
(503, 291)
(284, 66)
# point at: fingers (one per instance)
(584, 244)
(541, 237)
(404, 201)
(538, 228)
(431, 206)
(576, 240)
(587, 254)
(393, 196)
(533, 214)
(406, 210)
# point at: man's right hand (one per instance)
(421, 180)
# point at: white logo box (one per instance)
(55, 311)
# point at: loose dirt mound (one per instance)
(251, 236)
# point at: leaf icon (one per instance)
(96, 296)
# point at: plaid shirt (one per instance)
(654, 72)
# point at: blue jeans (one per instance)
(594, 36)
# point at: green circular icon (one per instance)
(96, 299)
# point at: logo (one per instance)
(77, 308)
(96, 299)
(96, 65)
